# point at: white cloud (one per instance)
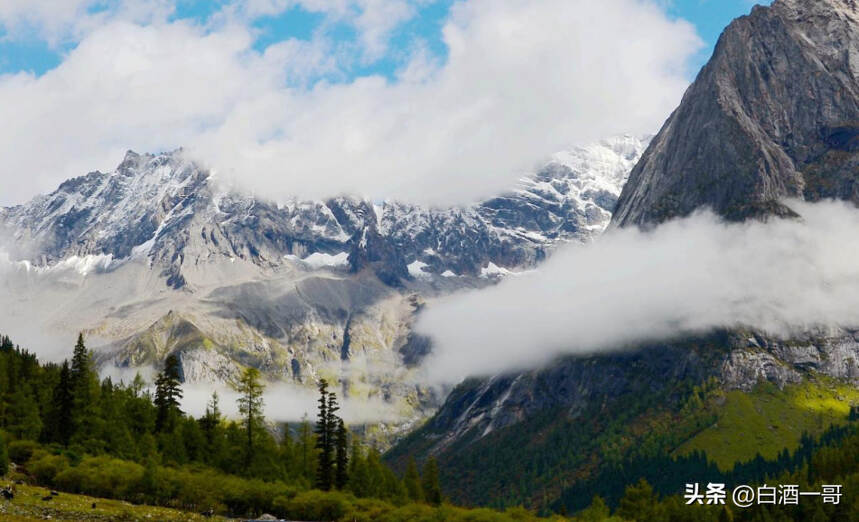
(373, 20)
(153, 87)
(282, 402)
(62, 20)
(523, 80)
(50, 19)
(376, 21)
(686, 276)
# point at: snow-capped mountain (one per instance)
(155, 257)
(150, 205)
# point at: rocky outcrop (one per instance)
(479, 407)
(833, 352)
(744, 369)
(773, 115)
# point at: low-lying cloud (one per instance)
(285, 402)
(686, 276)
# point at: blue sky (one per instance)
(710, 17)
(28, 51)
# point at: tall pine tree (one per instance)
(210, 424)
(250, 407)
(412, 482)
(341, 458)
(430, 482)
(324, 444)
(80, 360)
(305, 451)
(60, 426)
(168, 393)
(359, 478)
(84, 385)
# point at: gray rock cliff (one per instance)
(774, 114)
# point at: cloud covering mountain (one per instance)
(691, 275)
(520, 80)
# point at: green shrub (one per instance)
(20, 451)
(102, 477)
(47, 467)
(17, 476)
(411, 512)
(317, 505)
(369, 510)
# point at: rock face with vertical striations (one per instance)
(773, 115)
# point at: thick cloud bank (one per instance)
(520, 81)
(685, 276)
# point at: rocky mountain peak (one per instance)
(772, 115)
(166, 209)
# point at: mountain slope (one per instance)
(528, 437)
(773, 114)
(157, 258)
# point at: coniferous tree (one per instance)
(412, 482)
(430, 482)
(137, 385)
(212, 417)
(287, 454)
(596, 512)
(639, 502)
(341, 457)
(375, 474)
(209, 425)
(63, 403)
(84, 385)
(80, 360)
(324, 476)
(305, 451)
(119, 421)
(359, 479)
(168, 393)
(250, 407)
(331, 436)
(79, 375)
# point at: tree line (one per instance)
(68, 408)
(832, 459)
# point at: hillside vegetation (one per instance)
(65, 429)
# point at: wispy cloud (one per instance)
(686, 276)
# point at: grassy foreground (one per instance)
(29, 506)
